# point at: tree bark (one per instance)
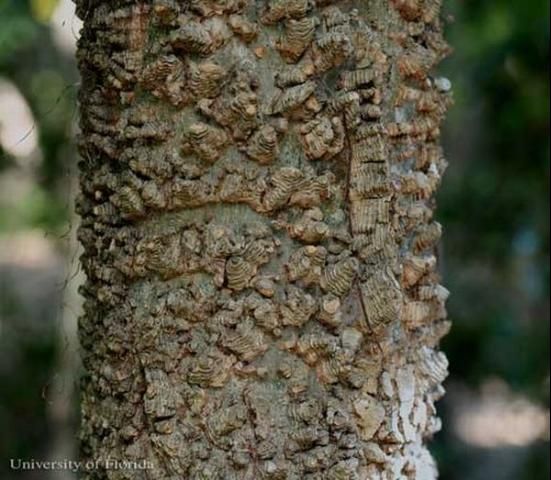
(257, 178)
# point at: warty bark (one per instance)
(257, 183)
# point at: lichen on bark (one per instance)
(257, 183)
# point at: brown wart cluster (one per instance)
(262, 297)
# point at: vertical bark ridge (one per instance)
(262, 297)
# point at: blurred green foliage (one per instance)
(493, 205)
(494, 202)
(46, 76)
(30, 297)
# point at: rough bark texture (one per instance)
(257, 184)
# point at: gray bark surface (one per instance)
(257, 180)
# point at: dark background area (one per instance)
(494, 259)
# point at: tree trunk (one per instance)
(257, 182)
